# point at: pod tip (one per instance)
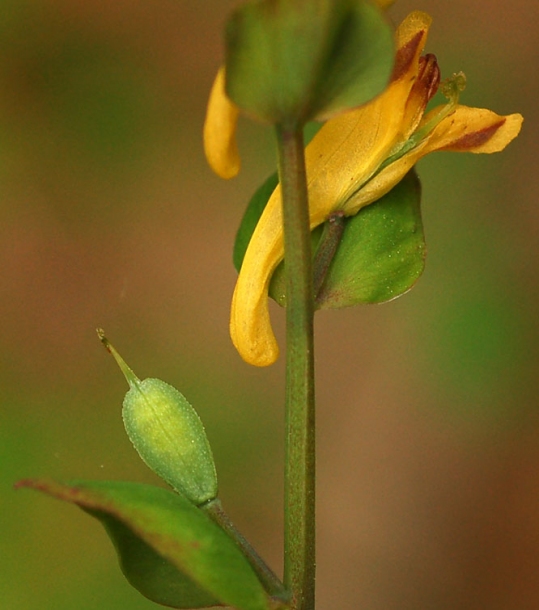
(131, 378)
(101, 334)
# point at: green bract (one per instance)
(295, 60)
(168, 434)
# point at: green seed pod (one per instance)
(168, 434)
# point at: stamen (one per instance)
(429, 75)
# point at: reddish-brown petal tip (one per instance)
(475, 139)
(405, 55)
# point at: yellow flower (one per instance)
(355, 159)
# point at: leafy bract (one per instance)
(168, 549)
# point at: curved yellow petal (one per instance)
(220, 131)
(413, 27)
(341, 157)
(250, 325)
(467, 129)
(475, 130)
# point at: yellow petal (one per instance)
(220, 131)
(467, 129)
(472, 130)
(342, 156)
(349, 149)
(411, 34)
(250, 325)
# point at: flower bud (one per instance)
(292, 61)
(167, 434)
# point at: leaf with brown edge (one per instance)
(169, 550)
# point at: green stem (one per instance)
(299, 536)
(325, 251)
(271, 582)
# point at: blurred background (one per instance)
(428, 418)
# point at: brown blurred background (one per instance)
(428, 425)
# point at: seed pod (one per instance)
(168, 434)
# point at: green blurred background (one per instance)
(428, 433)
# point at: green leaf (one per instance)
(168, 548)
(295, 60)
(381, 254)
(148, 572)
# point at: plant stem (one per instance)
(271, 582)
(326, 249)
(299, 536)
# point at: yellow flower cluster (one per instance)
(355, 158)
